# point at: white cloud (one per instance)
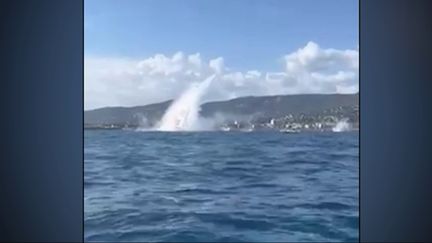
(129, 82)
(217, 65)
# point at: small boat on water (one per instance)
(289, 130)
(225, 129)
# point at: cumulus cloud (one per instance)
(129, 82)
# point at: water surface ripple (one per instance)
(220, 186)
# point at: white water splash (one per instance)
(342, 126)
(183, 114)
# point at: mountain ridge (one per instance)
(263, 106)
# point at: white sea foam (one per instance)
(342, 126)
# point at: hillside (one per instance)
(261, 106)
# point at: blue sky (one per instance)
(145, 51)
(248, 34)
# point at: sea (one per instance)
(221, 186)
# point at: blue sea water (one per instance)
(220, 186)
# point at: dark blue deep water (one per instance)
(220, 186)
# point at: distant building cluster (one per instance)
(322, 121)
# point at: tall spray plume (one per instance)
(183, 114)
